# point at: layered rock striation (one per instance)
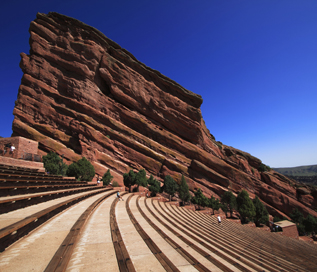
(81, 94)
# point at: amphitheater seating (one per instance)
(94, 231)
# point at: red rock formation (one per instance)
(83, 95)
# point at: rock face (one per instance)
(83, 95)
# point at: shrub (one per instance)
(54, 164)
(309, 223)
(155, 185)
(129, 179)
(170, 186)
(297, 216)
(115, 184)
(214, 204)
(261, 213)
(263, 168)
(82, 170)
(300, 229)
(140, 179)
(183, 190)
(245, 207)
(200, 199)
(229, 202)
(107, 178)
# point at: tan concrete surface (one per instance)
(191, 251)
(203, 230)
(35, 194)
(140, 255)
(180, 228)
(9, 218)
(95, 251)
(177, 259)
(34, 251)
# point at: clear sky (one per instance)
(253, 62)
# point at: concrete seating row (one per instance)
(29, 189)
(15, 231)
(100, 233)
(266, 249)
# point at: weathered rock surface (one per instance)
(83, 95)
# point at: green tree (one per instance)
(129, 179)
(245, 206)
(301, 229)
(200, 199)
(54, 164)
(309, 223)
(150, 180)
(140, 179)
(262, 168)
(214, 204)
(183, 190)
(297, 216)
(155, 185)
(170, 186)
(261, 213)
(107, 178)
(229, 202)
(82, 170)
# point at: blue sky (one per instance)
(253, 62)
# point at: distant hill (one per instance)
(299, 171)
(304, 174)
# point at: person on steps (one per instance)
(219, 219)
(119, 196)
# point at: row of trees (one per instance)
(249, 210)
(82, 170)
(170, 185)
(305, 225)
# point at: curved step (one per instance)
(256, 242)
(15, 231)
(210, 244)
(35, 251)
(11, 203)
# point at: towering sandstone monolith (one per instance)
(83, 95)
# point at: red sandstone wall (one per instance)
(290, 231)
(26, 146)
(22, 146)
(22, 163)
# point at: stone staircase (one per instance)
(90, 230)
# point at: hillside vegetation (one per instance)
(300, 171)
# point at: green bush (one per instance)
(263, 168)
(129, 179)
(261, 213)
(82, 170)
(183, 190)
(301, 229)
(229, 202)
(245, 207)
(140, 179)
(200, 199)
(107, 178)
(214, 204)
(155, 185)
(310, 224)
(115, 184)
(170, 186)
(54, 164)
(297, 216)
